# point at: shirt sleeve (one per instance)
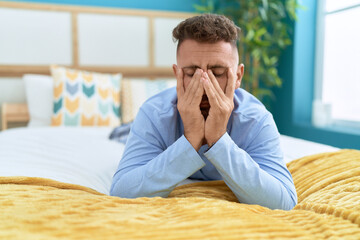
(148, 168)
(258, 175)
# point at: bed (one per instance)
(54, 186)
(55, 181)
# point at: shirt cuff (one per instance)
(222, 139)
(188, 161)
(219, 149)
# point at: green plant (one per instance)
(265, 33)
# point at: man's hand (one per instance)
(221, 106)
(189, 107)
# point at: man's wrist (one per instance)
(211, 141)
(195, 143)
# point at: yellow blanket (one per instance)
(328, 187)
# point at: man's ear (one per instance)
(175, 68)
(239, 75)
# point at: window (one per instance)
(337, 79)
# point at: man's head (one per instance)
(208, 42)
(207, 28)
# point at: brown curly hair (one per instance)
(209, 28)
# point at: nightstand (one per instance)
(14, 113)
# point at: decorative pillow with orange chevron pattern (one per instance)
(84, 98)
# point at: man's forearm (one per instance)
(249, 182)
(157, 176)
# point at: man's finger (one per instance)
(230, 86)
(219, 94)
(179, 80)
(215, 82)
(210, 91)
(193, 85)
(197, 97)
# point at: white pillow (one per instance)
(39, 96)
(134, 92)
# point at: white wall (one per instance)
(34, 37)
(43, 37)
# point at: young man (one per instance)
(206, 129)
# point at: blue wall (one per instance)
(166, 5)
(292, 109)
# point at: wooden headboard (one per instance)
(136, 43)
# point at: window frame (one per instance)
(321, 14)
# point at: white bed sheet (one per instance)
(294, 148)
(85, 156)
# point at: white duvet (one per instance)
(85, 156)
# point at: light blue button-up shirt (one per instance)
(247, 157)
